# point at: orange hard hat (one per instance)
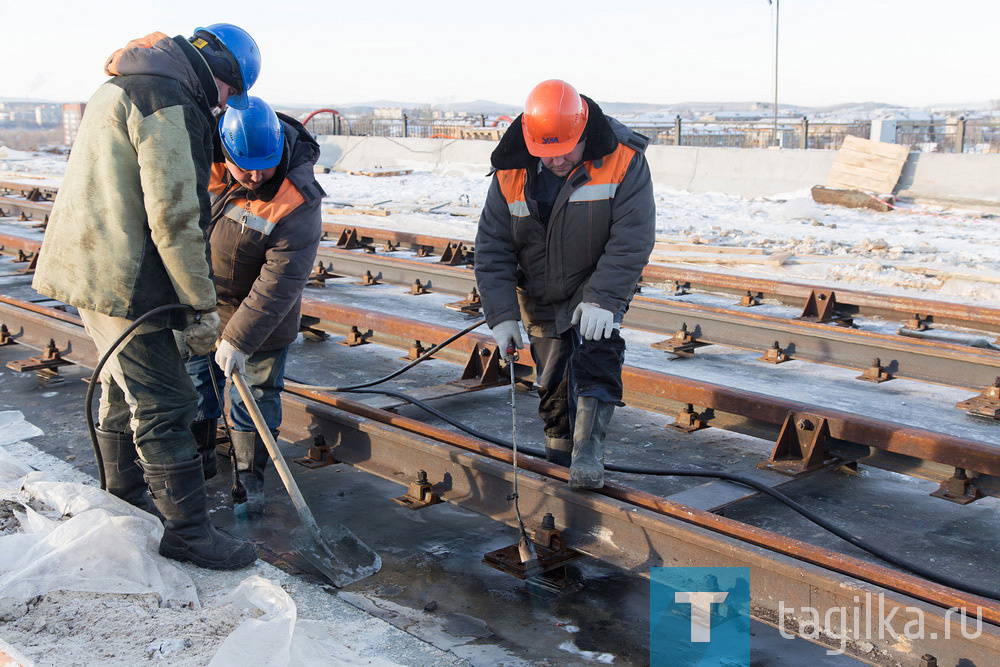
(554, 118)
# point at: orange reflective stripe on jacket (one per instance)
(147, 42)
(603, 183)
(271, 212)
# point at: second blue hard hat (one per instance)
(240, 49)
(253, 137)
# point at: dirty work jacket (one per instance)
(127, 230)
(597, 241)
(264, 245)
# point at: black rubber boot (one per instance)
(592, 419)
(559, 450)
(204, 434)
(251, 461)
(121, 469)
(178, 491)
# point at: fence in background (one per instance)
(946, 135)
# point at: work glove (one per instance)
(202, 333)
(595, 322)
(229, 358)
(508, 334)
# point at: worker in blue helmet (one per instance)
(127, 236)
(233, 56)
(266, 227)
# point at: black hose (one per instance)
(731, 477)
(95, 378)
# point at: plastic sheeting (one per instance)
(89, 542)
(277, 639)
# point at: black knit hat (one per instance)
(219, 60)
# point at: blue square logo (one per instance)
(696, 616)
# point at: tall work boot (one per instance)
(251, 460)
(204, 432)
(559, 450)
(178, 491)
(122, 473)
(592, 418)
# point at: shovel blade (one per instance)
(338, 554)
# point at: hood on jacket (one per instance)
(174, 58)
(602, 135)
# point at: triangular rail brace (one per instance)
(483, 366)
(821, 307)
(454, 254)
(801, 446)
(349, 239)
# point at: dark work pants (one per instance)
(145, 389)
(569, 367)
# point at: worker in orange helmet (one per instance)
(567, 228)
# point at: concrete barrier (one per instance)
(964, 180)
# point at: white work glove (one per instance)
(229, 358)
(201, 334)
(508, 334)
(595, 322)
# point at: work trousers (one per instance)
(568, 367)
(145, 389)
(266, 377)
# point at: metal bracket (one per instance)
(368, 279)
(319, 277)
(688, 421)
(987, 404)
(415, 351)
(552, 552)
(50, 360)
(419, 494)
(875, 373)
(471, 304)
(682, 343)
(917, 323)
(821, 307)
(349, 240)
(958, 489)
(801, 446)
(483, 366)
(319, 454)
(774, 355)
(418, 288)
(5, 337)
(750, 299)
(454, 254)
(355, 337)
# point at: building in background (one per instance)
(72, 114)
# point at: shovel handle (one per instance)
(279, 462)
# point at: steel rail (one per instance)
(637, 531)
(850, 301)
(30, 209)
(755, 414)
(903, 357)
(623, 526)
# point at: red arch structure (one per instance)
(497, 121)
(319, 111)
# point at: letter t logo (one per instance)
(701, 612)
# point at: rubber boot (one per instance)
(178, 491)
(204, 434)
(559, 450)
(592, 419)
(251, 461)
(122, 473)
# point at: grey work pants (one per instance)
(145, 389)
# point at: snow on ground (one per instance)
(81, 584)
(946, 255)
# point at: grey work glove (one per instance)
(201, 334)
(228, 357)
(507, 334)
(595, 322)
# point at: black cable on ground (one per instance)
(731, 477)
(96, 375)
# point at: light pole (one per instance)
(777, 12)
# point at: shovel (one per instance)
(336, 551)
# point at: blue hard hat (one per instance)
(246, 57)
(253, 137)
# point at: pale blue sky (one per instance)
(913, 53)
